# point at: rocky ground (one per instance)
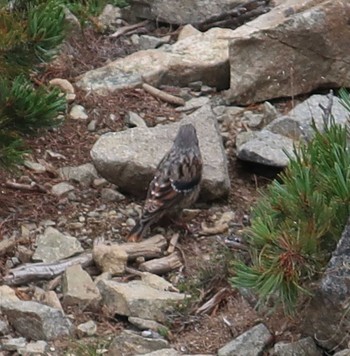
(25, 213)
(58, 190)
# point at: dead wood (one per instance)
(33, 186)
(213, 302)
(162, 95)
(149, 248)
(173, 243)
(162, 265)
(125, 29)
(36, 271)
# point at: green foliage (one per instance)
(29, 36)
(297, 221)
(30, 32)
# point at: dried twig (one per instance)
(125, 29)
(32, 187)
(162, 265)
(173, 242)
(37, 271)
(172, 99)
(208, 306)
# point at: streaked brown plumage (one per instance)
(175, 185)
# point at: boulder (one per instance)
(294, 49)
(129, 158)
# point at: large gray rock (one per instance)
(181, 12)
(327, 316)
(129, 158)
(250, 343)
(137, 299)
(36, 321)
(266, 147)
(293, 49)
(203, 57)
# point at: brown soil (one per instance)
(190, 333)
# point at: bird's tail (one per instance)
(136, 233)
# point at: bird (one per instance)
(176, 183)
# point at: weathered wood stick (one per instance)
(125, 29)
(173, 243)
(149, 248)
(33, 187)
(162, 95)
(213, 302)
(162, 265)
(37, 271)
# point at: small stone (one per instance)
(89, 328)
(111, 195)
(65, 86)
(145, 324)
(130, 222)
(187, 31)
(13, 344)
(92, 126)
(99, 182)
(34, 166)
(4, 328)
(78, 113)
(78, 287)
(135, 39)
(196, 85)
(7, 294)
(62, 188)
(304, 346)
(24, 254)
(135, 120)
(205, 90)
(83, 174)
(34, 348)
(150, 42)
(193, 104)
(53, 246)
(253, 120)
(111, 259)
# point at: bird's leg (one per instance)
(179, 222)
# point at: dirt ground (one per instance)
(191, 333)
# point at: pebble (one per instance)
(92, 126)
(78, 113)
(130, 222)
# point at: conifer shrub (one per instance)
(299, 218)
(30, 32)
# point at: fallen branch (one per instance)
(37, 271)
(32, 187)
(162, 95)
(162, 265)
(208, 306)
(173, 243)
(125, 29)
(149, 248)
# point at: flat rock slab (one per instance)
(203, 57)
(129, 158)
(53, 246)
(250, 343)
(36, 321)
(137, 299)
(293, 49)
(301, 347)
(182, 11)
